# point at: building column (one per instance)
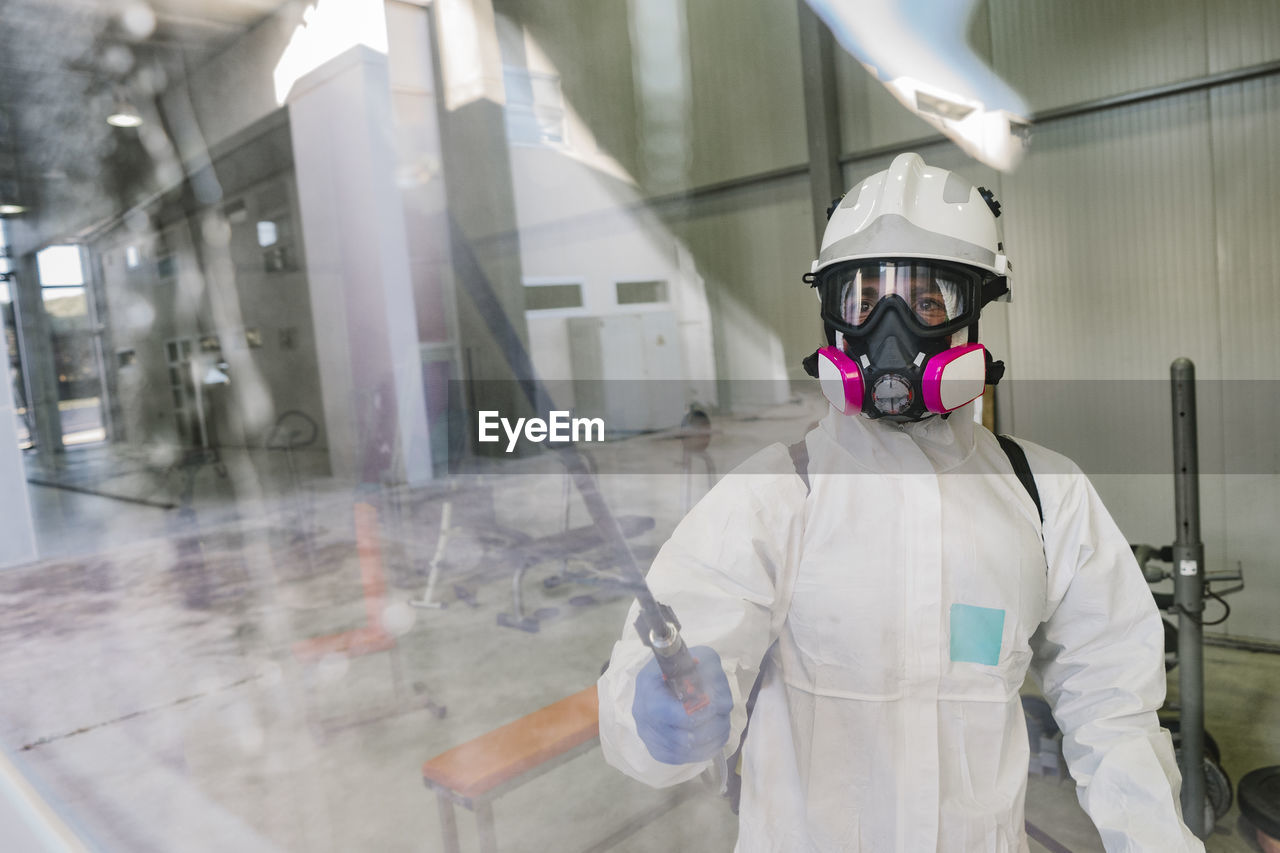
(485, 241)
(38, 362)
(358, 271)
(821, 114)
(17, 528)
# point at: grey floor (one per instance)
(152, 696)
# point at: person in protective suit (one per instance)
(888, 609)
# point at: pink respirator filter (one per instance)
(951, 379)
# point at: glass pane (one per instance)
(267, 233)
(75, 355)
(60, 265)
(66, 307)
(633, 292)
(546, 296)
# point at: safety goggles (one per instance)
(939, 296)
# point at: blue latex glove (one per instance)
(671, 735)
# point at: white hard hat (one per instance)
(912, 210)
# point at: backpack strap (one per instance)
(1018, 458)
(733, 784)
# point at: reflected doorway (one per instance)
(74, 330)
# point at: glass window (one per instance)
(5, 264)
(544, 297)
(637, 292)
(535, 106)
(267, 235)
(60, 265)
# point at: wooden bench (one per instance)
(474, 774)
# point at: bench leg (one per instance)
(484, 824)
(448, 824)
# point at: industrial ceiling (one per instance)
(65, 65)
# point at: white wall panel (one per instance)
(1110, 226)
(1110, 220)
(1246, 169)
(1058, 53)
(748, 101)
(752, 245)
(1252, 506)
(1243, 32)
(1246, 165)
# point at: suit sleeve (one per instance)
(1099, 656)
(725, 572)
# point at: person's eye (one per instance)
(928, 307)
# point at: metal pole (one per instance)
(1188, 592)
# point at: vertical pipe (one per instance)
(1188, 562)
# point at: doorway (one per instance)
(75, 341)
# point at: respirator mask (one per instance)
(902, 336)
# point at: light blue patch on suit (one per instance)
(975, 634)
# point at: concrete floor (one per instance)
(153, 697)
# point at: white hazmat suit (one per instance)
(910, 590)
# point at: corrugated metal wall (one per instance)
(1110, 223)
(1063, 53)
(1144, 233)
(1139, 234)
(1246, 179)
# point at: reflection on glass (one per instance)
(535, 107)
(638, 292)
(75, 344)
(627, 184)
(266, 234)
(60, 265)
(26, 435)
(544, 297)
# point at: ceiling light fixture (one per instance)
(124, 115)
(11, 209)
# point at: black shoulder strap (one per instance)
(733, 782)
(800, 458)
(1018, 458)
